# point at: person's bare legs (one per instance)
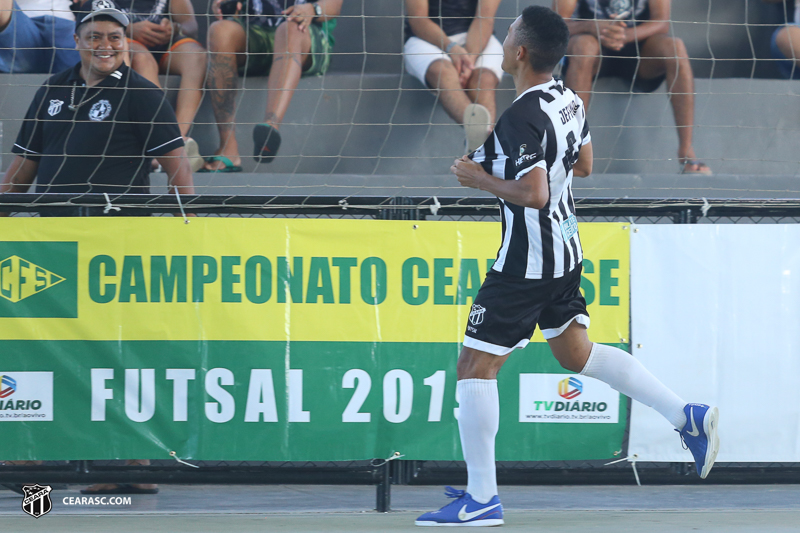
(788, 41)
(6, 8)
(227, 44)
(143, 63)
(292, 56)
(443, 78)
(662, 54)
(189, 62)
(480, 89)
(584, 62)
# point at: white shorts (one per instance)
(418, 56)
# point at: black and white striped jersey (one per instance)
(544, 127)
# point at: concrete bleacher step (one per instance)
(381, 124)
(662, 186)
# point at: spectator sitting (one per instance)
(163, 40)
(450, 48)
(257, 39)
(36, 36)
(786, 40)
(101, 141)
(630, 39)
(94, 127)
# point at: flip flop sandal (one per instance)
(266, 141)
(698, 164)
(477, 122)
(193, 154)
(229, 166)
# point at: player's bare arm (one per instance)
(583, 167)
(658, 23)
(183, 19)
(18, 177)
(481, 29)
(610, 33)
(529, 191)
(178, 172)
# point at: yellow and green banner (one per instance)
(277, 339)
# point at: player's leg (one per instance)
(665, 55)
(624, 373)
(478, 422)
(502, 319)
(292, 56)
(478, 119)
(227, 44)
(6, 10)
(479, 419)
(188, 60)
(583, 54)
(486, 76)
(786, 47)
(143, 63)
(443, 78)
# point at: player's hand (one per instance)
(458, 55)
(469, 173)
(217, 10)
(301, 14)
(148, 33)
(612, 34)
(168, 27)
(467, 67)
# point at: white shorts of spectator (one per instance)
(418, 55)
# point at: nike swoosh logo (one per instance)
(463, 515)
(694, 432)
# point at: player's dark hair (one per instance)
(545, 35)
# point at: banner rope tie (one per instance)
(180, 204)
(705, 208)
(175, 455)
(632, 459)
(109, 206)
(435, 206)
(395, 455)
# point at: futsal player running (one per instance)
(538, 144)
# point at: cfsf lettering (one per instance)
(137, 395)
(234, 279)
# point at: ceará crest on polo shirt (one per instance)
(100, 111)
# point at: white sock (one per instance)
(626, 374)
(478, 421)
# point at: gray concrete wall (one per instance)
(388, 124)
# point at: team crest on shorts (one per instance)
(476, 315)
(55, 107)
(100, 111)
(36, 501)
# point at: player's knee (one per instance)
(474, 364)
(570, 362)
(583, 48)
(223, 36)
(438, 70)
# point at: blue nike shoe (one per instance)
(464, 511)
(699, 435)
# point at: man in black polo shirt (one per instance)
(94, 128)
